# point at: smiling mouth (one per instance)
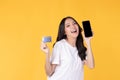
(74, 31)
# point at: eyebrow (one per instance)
(69, 23)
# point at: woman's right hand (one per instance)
(44, 48)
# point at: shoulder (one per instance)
(59, 43)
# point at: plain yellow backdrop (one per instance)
(24, 22)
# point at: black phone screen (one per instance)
(87, 28)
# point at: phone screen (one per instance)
(87, 28)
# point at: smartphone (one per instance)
(46, 39)
(87, 28)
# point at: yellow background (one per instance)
(24, 22)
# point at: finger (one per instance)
(42, 45)
(90, 37)
(84, 37)
(83, 32)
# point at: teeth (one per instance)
(74, 31)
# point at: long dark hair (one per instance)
(79, 43)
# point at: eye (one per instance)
(74, 23)
(67, 25)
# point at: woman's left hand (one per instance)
(87, 39)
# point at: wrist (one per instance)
(88, 43)
(47, 53)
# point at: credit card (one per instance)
(46, 39)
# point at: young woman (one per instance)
(69, 53)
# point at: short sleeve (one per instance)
(55, 58)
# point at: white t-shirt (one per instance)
(70, 66)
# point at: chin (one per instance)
(75, 36)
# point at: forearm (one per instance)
(48, 66)
(90, 58)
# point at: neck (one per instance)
(71, 41)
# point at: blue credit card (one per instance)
(46, 39)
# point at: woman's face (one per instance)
(71, 28)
